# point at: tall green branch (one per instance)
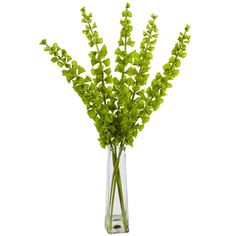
(102, 72)
(145, 56)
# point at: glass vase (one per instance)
(116, 220)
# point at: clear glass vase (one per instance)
(116, 220)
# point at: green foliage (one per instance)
(120, 108)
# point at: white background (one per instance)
(182, 168)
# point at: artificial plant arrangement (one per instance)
(120, 106)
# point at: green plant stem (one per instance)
(112, 192)
(116, 179)
(113, 183)
(121, 196)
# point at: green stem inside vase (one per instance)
(116, 181)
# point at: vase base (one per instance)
(117, 225)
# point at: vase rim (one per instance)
(117, 147)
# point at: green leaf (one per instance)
(121, 42)
(130, 42)
(92, 114)
(55, 47)
(154, 16)
(168, 85)
(69, 58)
(92, 54)
(177, 63)
(109, 80)
(167, 66)
(91, 43)
(129, 82)
(107, 71)
(59, 63)
(148, 55)
(54, 59)
(118, 51)
(124, 13)
(134, 54)
(119, 60)
(175, 73)
(46, 48)
(182, 54)
(131, 71)
(80, 69)
(103, 51)
(82, 9)
(43, 42)
(64, 72)
(187, 28)
(69, 77)
(155, 36)
(99, 40)
(119, 68)
(172, 59)
(87, 79)
(106, 62)
(74, 63)
(145, 69)
(63, 52)
(88, 34)
(155, 105)
(140, 127)
(136, 88)
(145, 119)
(94, 25)
(149, 92)
(129, 14)
(148, 110)
(94, 62)
(151, 22)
